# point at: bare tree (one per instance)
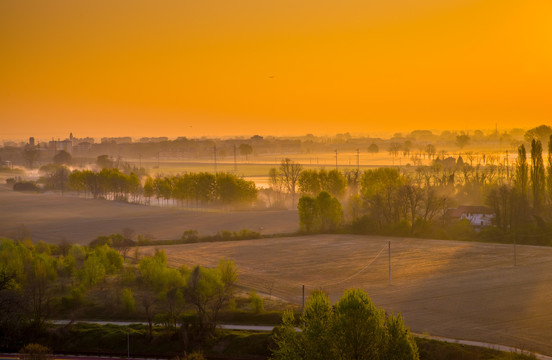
(290, 171)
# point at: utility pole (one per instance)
(336, 159)
(128, 344)
(358, 160)
(389, 246)
(303, 306)
(235, 163)
(140, 160)
(515, 252)
(215, 153)
(507, 167)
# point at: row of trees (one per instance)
(201, 188)
(192, 188)
(108, 183)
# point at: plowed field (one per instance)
(447, 288)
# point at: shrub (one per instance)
(25, 186)
(257, 303)
(128, 300)
(35, 352)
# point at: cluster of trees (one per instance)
(312, 182)
(38, 281)
(354, 328)
(201, 188)
(323, 213)
(109, 183)
(192, 188)
(524, 207)
(412, 200)
(388, 198)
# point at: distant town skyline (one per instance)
(219, 68)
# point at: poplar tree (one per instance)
(537, 174)
(521, 180)
(549, 172)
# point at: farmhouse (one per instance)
(479, 216)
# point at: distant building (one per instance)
(117, 140)
(82, 147)
(153, 139)
(77, 141)
(56, 145)
(479, 216)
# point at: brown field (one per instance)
(448, 288)
(51, 217)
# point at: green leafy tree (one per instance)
(93, 271)
(330, 211)
(308, 215)
(380, 191)
(400, 344)
(358, 327)
(128, 300)
(148, 189)
(522, 180)
(323, 213)
(352, 329)
(209, 290)
(257, 303)
(549, 172)
(309, 182)
(537, 175)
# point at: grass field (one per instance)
(447, 288)
(51, 217)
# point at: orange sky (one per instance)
(272, 67)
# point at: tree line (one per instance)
(192, 189)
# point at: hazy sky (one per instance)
(280, 67)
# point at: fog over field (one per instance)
(52, 217)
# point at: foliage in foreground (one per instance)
(354, 328)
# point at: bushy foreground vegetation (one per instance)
(40, 281)
(354, 328)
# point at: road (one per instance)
(270, 328)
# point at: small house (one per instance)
(479, 216)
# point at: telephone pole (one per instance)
(235, 163)
(303, 307)
(336, 159)
(215, 153)
(358, 160)
(389, 245)
(515, 252)
(507, 167)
